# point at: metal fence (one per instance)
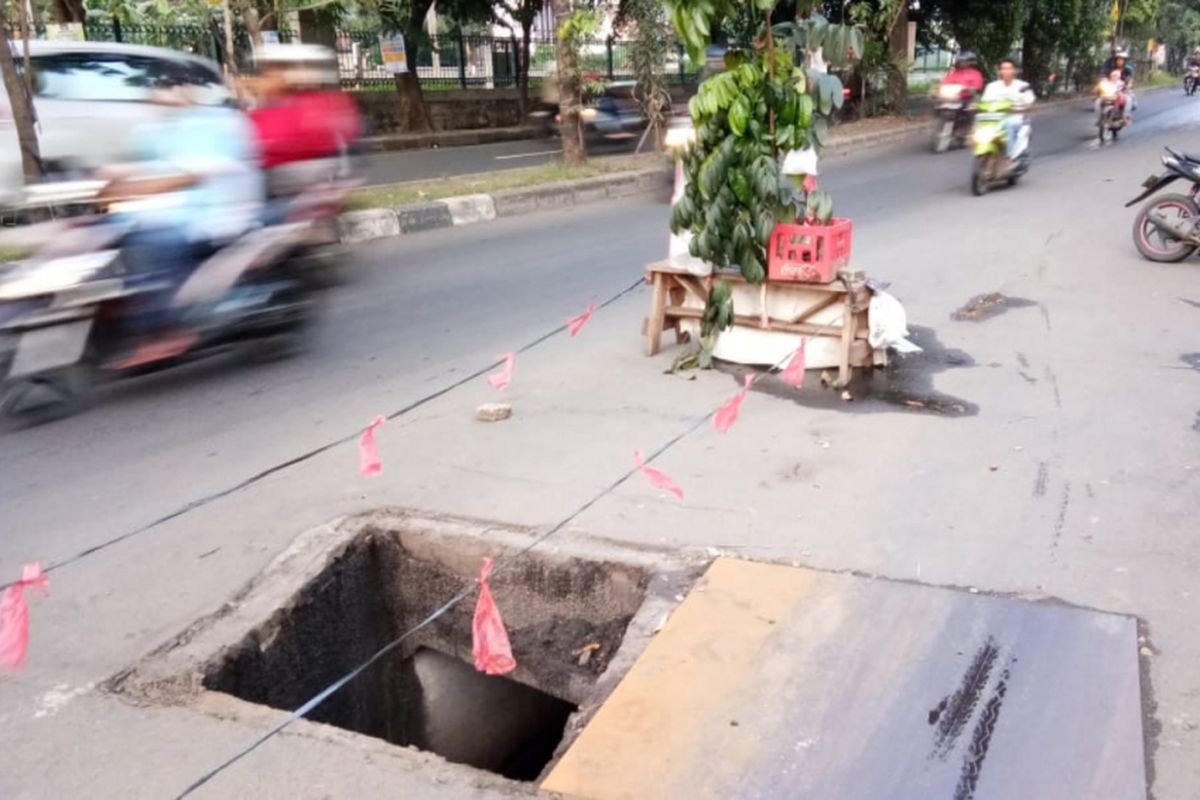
(449, 61)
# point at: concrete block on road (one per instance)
(372, 223)
(471, 208)
(424, 216)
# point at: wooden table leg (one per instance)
(658, 312)
(849, 328)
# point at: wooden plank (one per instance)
(749, 321)
(658, 302)
(820, 305)
(667, 268)
(848, 331)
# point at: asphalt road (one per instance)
(1069, 472)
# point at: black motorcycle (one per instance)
(1167, 229)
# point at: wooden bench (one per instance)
(671, 286)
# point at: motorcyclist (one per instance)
(195, 188)
(1008, 88)
(1120, 61)
(1194, 59)
(304, 125)
(965, 73)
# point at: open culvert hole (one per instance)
(566, 618)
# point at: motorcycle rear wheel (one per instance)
(980, 180)
(943, 136)
(1155, 244)
(27, 403)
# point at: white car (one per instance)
(89, 97)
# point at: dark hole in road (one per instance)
(566, 618)
(905, 384)
(986, 306)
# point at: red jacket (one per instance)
(305, 125)
(968, 77)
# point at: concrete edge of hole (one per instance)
(173, 673)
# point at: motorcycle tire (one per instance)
(63, 393)
(943, 136)
(1171, 250)
(980, 183)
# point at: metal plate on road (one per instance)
(779, 682)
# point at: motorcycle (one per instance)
(955, 112)
(1191, 80)
(1110, 116)
(68, 314)
(992, 166)
(1167, 229)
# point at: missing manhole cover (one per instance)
(344, 591)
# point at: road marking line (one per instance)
(529, 155)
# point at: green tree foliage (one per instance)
(768, 101)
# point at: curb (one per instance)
(454, 138)
(381, 223)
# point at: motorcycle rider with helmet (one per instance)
(965, 73)
(1120, 62)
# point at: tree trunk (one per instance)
(411, 114)
(69, 11)
(22, 107)
(523, 67)
(568, 90)
(251, 21)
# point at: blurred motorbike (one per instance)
(1166, 229)
(68, 313)
(992, 166)
(1110, 114)
(1191, 80)
(955, 112)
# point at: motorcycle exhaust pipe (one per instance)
(1182, 229)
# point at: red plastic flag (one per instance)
(575, 324)
(658, 479)
(14, 617)
(727, 414)
(490, 645)
(501, 379)
(368, 452)
(793, 373)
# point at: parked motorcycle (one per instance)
(955, 112)
(1167, 229)
(68, 314)
(992, 166)
(1192, 80)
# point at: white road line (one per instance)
(529, 155)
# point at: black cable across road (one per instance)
(461, 595)
(300, 459)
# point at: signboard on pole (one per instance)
(395, 59)
(65, 32)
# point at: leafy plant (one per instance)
(746, 119)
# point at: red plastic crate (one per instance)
(809, 253)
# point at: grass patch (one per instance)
(1159, 78)
(487, 182)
